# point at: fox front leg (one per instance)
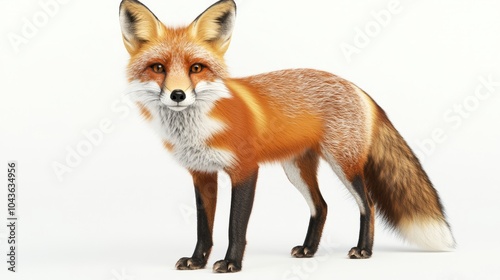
(205, 185)
(242, 196)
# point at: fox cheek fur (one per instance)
(211, 122)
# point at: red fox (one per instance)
(211, 122)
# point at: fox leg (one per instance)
(205, 185)
(357, 187)
(367, 221)
(242, 196)
(302, 171)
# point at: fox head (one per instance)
(178, 65)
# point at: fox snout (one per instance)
(178, 99)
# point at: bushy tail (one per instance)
(403, 193)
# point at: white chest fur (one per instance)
(188, 130)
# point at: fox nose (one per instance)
(177, 95)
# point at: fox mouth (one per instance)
(177, 107)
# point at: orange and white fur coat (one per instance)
(211, 122)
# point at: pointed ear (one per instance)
(139, 25)
(215, 25)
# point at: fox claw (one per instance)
(189, 264)
(357, 253)
(302, 252)
(225, 266)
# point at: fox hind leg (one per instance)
(357, 187)
(367, 222)
(302, 171)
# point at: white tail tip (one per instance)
(429, 234)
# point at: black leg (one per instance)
(206, 198)
(302, 173)
(314, 231)
(367, 222)
(242, 197)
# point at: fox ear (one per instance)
(215, 25)
(139, 25)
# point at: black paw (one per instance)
(190, 264)
(225, 266)
(302, 252)
(357, 253)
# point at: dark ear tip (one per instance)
(230, 2)
(234, 3)
(227, 1)
(122, 3)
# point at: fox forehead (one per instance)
(177, 51)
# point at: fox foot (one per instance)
(225, 266)
(357, 253)
(190, 264)
(302, 252)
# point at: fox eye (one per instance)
(196, 68)
(158, 68)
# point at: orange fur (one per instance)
(167, 145)
(144, 111)
(206, 184)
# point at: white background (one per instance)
(125, 211)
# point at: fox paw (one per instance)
(225, 266)
(357, 253)
(302, 252)
(190, 264)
